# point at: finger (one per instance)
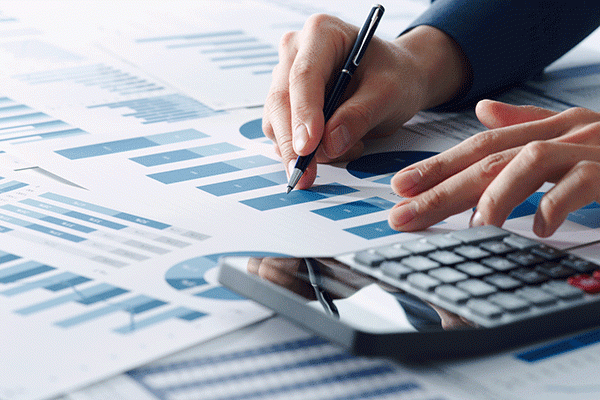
(536, 163)
(578, 188)
(325, 41)
(277, 114)
(456, 194)
(495, 114)
(428, 173)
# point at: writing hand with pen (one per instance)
(493, 171)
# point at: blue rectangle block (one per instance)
(102, 149)
(40, 269)
(17, 269)
(176, 136)
(354, 209)
(95, 220)
(56, 233)
(102, 296)
(6, 257)
(200, 171)
(373, 231)
(142, 221)
(10, 186)
(168, 157)
(283, 200)
(252, 162)
(237, 186)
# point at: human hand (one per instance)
(498, 169)
(420, 69)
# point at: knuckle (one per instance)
(483, 142)
(577, 113)
(587, 172)
(363, 113)
(301, 72)
(287, 41)
(491, 165)
(433, 167)
(536, 152)
(435, 198)
(318, 23)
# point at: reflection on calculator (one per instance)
(486, 275)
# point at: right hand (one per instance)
(395, 80)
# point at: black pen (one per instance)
(358, 50)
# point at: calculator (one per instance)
(445, 295)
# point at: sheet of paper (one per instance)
(259, 364)
(92, 287)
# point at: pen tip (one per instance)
(289, 189)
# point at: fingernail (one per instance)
(408, 180)
(290, 169)
(300, 137)
(404, 214)
(476, 219)
(340, 140)
(539, 225)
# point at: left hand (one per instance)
(496, 170)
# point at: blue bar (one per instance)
(185, 154)
(560, 347)
(42, 283)
(373, 231)
(213, 43)
(252, 162)
(73, 214)
(80, 204)
(99, 292)
(238, 185)
(177, 136)
(10, 186)
(22, 271)
(249, 65)
(191, 36)
(236, 49)
(4, 229)
(187, 174)
(77, 280)
(12, 109)
(180, 312)
(298, 197)
(28, 118)
(134, 305)
(7, 257)
(46, 218)
(354, 209)
(245, 56)
(142, 221)
(101, 149)
(55, 233)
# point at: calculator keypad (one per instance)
(484, 273)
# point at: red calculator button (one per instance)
(586, 283)
(596, 274)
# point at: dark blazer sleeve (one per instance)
(509, 41)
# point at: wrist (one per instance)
(443, 68)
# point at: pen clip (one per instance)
(368, 34)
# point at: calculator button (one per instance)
(474, 269)
(418, 246)
(520, 242)
(562, 290)
(452, 294)
(547, 252)
(395, 269)
(471, 252)
(554, 270)
(420, 263)
(510, 302)
(423, 281)
(499, 264)
(503, 282)
(496, 247)
(394, 252)
(578, 264)
(445, 257)
(525, 259)
(484, 308)
(444, 241)
(537, 296)
(586, 283)
(479, 234)
(368, 257)
(529, 276)
(476, 287)
(448, 275)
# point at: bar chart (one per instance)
(100, 234)
(99, 299)
(20, 124)
(168, 108)
(95, 75)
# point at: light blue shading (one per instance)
(21, 271)
(50, 281)
(559, 347)
(237, 185)
(180, 312)
(134, 305)
(190, 36)
(220, 293)
(142, 221)
(252, 129)
(10, 186)
(168, 157)
(7, 257)
(176, 136)
(373, 231)
(90, 295)
(354, 209)
(252, 162)
(56, 233)
(186, 174)
(80, 204)
(189, 273)
(298, 197)
(46, 218)
(588, 216)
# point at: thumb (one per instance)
(495, 114)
